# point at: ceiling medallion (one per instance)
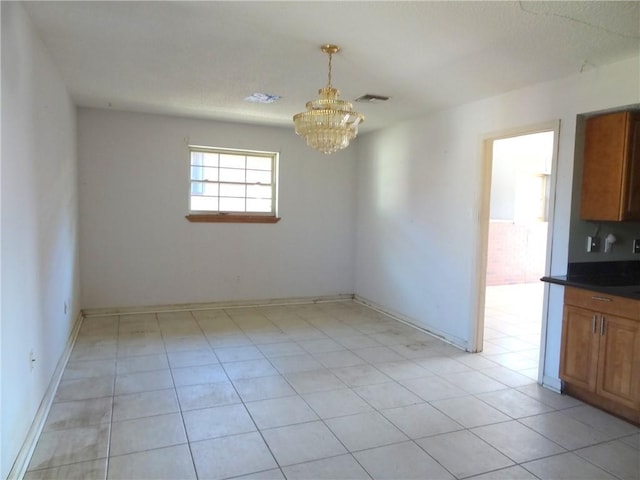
(328, 124)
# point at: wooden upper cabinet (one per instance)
(611, 176)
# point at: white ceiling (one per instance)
(202, 59)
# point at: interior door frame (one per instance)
(483, 224)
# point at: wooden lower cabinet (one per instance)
(600, 354)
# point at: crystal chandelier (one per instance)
(329, 123)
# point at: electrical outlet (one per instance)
(32, 359)
(636, 245)
(65, 308)
(592, 244)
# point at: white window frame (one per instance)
(233, 215)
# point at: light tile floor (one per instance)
(513, 316)
(319, 391)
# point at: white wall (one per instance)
(137, 248)
(419, 197)
(39, 225)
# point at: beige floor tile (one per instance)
(564, 430)
(519, 443)
(89, 369)
(233, 456)
(62, 447)
(250, 369)
(143, 382)
(507, 376)
(91, 470)
(296, 363)
(404, 461)
(193, 397)
(474, 382)
(302, 443)
(93, 349)
(134, 346)
(147, 433)
(514, 403)
(186, 343)
(387, 395)
(314, 381)
(510, 473)
(145, 363)
(238, 354)
(342, 467)
(360, 375)
(79, 413)
(198, 375)
(602, 421)
(321, 345)
(365, 430)
(339, 359)
(616, 457)
(378, 354)
(548, 397)
(192, 358)
(357, 341)
(251, 389)
(144, 404)
(469, 411)
(421, 420)
(168, 463)
(273, 474)
(84, 388)
(278, 412)
(632, 440)
(433, 388)
(443, 365)
(282, 349)
(336, 403)
(464, 454)
(403, 370)
(217, 422)
(566, 466)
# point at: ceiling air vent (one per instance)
(370, 98)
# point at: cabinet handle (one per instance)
(601, 299)
(593, 323)
(602, 327)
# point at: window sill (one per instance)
(214, 218)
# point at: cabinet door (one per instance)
(619, 361)
(632, 205)
(603, 173)
(579, 353)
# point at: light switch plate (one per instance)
(636, 245)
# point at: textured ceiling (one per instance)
(202, 59)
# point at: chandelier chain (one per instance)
(330, 58)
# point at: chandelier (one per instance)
(329, 124)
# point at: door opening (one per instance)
(515, 252)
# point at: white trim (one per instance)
(483, 227)
(182, 307)
(21, 462)
(552, 383)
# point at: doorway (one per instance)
(519, 199)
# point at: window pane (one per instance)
(231, 204)
(206, 173)
(206, 204)
(258, 176)
(231, 175)
(210, 159)
(197, 158)
(259, 163)
(210, 189)
(258, 205)
(232, 161)
(232, 190)
(259, 191)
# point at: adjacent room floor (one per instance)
(318, 391)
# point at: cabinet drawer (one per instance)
(602, 302)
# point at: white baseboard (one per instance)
(181, 307)
(456, 342)
(552, 383)
(21, 463)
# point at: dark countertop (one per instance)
(596, 285)
(613, 278)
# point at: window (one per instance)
(229, 185)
